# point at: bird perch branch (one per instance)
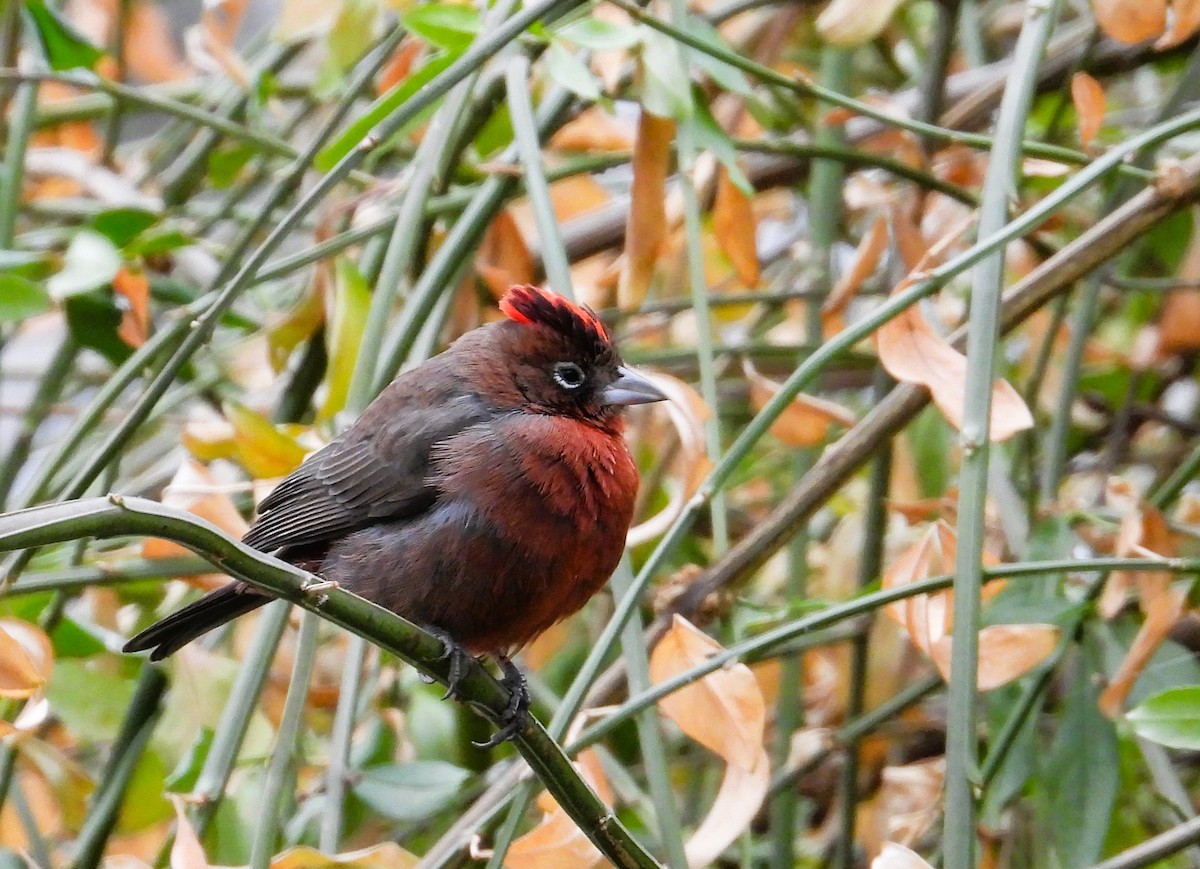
(117, 516)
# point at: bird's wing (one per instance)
(377, 470)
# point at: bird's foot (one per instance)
(460, 660)
(318, 588)
(516, 715)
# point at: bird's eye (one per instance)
(568, 375)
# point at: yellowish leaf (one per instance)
(724, 711)
(805, 421)
(263, 449)
(286, 333)
(736, 229)
(738, 801)
(593, 130)
(351, 304)
(646, 227)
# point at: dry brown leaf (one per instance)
(26, 658)
(854, 22)
(893, 856)
(738, 801)
(593, 130)
(1088, 96)
(186, 851)
(503, 258)
(1185, 20)
(557, 842)
(398, 66)
(134, 287)
(1161, 615)
(909, 800)
(867, 255)
(646, 227)
(1131, 20)
(1179, 323)
(913, 352)
(687, 412)
(736, 229)
(723, 711)
(1006, 652)
(805, 421)
(193, 489)
(1143, 533)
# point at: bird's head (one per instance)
(560, 359)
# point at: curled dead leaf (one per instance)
(806, 421)
(646, 228)
(867, 255)
(1161, 615)
(738, 801)
(1006, 652)
(26, 658)
(557, 842)
(687, 412)
(894, 856)
(723, 711)
(736, 229)
(913, 352)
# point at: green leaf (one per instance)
(597, 35)
(224, 164)
(1171, 718)
(163, 239)
(380, 109)
(729, 77)
(90, 263)
(1081, 775)
(444, 25)
(89, 696)
(183, 778)
(93, 319)
(571, 72)
(72, 640)
(21, 298)
(411, 791)
(710, 137)
(351, 305)
(65, 48)
(666, 89)
(123, 225)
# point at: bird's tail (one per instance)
(211, 611)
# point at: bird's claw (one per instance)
(318, 589)
(516, 714)
(460, 660)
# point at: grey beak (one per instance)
(631, 388)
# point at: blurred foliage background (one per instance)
(223, 229)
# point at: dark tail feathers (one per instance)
(197, 618)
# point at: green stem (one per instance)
(983, 331)
(286, 743)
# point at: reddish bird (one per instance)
(485, 494)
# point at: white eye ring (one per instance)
(568, 375)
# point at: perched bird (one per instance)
(485, 494)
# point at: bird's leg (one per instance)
(460, 660)
(516, 714)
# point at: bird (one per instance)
(484, 495)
